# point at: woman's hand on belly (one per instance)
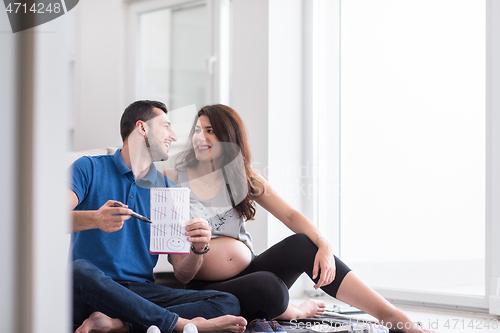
(227, 257)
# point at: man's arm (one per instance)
(107, 218)
(186, 266)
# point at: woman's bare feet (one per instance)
(355, 292)
(227, 323)
(309, 309)
(398, 321)
(99, 322)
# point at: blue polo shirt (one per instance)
(123, 255)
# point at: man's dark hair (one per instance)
(139, 110)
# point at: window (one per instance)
(181, 56)
(411, 143)
(172, 55)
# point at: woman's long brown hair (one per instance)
(228, 127)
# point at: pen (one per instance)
(134, 214)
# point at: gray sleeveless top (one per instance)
(222, 217)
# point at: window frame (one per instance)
(217, 57)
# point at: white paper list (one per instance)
(169, 214)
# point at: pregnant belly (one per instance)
(227, 257)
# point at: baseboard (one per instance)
(494, 298)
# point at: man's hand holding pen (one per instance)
(110, 218)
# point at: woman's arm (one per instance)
(298, 223)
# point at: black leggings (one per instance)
(262, 288)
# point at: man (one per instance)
(114, 288)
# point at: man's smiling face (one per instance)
(159, 135)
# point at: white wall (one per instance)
(268, 94)
(34, 93)
(250, 90)
(8, 167)
(493, 152)
(50, 218)
(100, 73)
(268, 89)
(287, 168)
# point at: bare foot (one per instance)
(397, 320)
(309, 309)
(355, 292)
(227, 323)
(99, 322)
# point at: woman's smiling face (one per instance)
(206, 144)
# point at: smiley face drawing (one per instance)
(175, 243)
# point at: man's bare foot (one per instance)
(99, 322)
(227, 323)
(309, 309)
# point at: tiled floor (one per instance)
(438, 320)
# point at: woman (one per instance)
(224, 189)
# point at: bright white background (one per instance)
(413, 143)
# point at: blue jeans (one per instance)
(141, 305)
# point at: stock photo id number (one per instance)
(25, 15)
(36, 8)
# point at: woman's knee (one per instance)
(300, 241)
(271, 288)
(266, 296)
(269, 281)
(300, 246)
